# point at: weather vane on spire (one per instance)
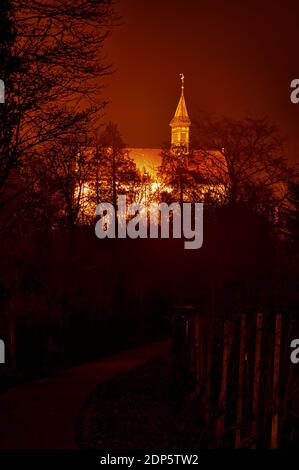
(182, 78)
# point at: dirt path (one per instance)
(42, 414)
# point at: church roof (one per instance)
(211, 165)
(146, 159)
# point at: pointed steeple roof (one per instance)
(181, 117)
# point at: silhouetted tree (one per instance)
(292, 215)
(8, 66)
(246, 157)
(70, 179)
(118, 172)
(52, 53)
(179, 175)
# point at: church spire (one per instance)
(180, 123)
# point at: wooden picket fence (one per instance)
(235, 374)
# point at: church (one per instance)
(210, 164)
(188, 174)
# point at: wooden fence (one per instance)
(236, 376)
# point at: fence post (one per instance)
(227, 342)
(209, 353)
(256, 374)
(275, 395)
(240, 380)
(197, 332)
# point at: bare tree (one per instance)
(292, 217)
(70, 181)
(53, 64)
(245, 157)
(119, 174)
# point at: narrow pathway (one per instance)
(42, 414)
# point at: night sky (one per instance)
(238, 58)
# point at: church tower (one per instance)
(180, 123)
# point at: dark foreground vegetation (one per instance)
(74, 297)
